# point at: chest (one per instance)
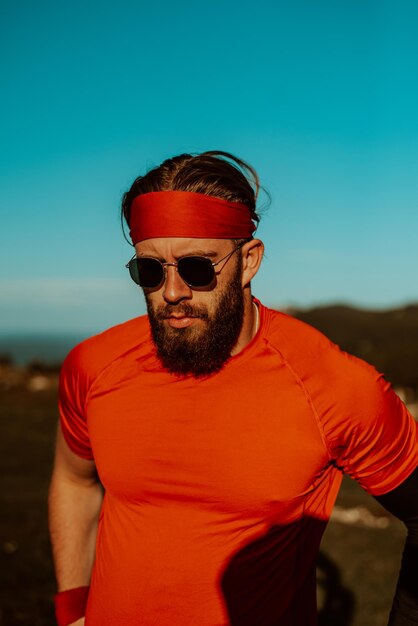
(242, 442)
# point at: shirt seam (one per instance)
(100, 374)
(308, 398)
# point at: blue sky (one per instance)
(321, 97)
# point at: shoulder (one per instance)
(91, 356)
(294, 337)
(304, 348)
(320, 364)
(366, 428)
(81, 368)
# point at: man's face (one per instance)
(195, 330)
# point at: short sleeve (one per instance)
(73, 389)
(369, 432)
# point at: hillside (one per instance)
(386, 339)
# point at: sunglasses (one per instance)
(195, 271)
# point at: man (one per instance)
(217, 429)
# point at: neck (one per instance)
(249, 325)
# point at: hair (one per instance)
(214, 173)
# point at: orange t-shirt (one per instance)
(218, 490)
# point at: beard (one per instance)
(195, 351)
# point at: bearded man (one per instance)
(201, 447)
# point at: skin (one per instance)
(75, 500)
(75, 494)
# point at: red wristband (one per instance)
(70, 605)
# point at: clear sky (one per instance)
(321, 97)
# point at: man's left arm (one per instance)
(403, 503)
(373, 438)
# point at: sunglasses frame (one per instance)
(175, 264)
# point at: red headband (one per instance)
(188, 214)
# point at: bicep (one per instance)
(70, 465)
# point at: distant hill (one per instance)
(386, 339)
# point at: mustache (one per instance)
(163, 312)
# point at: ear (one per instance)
(252, 255)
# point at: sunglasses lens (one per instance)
(148, 273)
(196, 271)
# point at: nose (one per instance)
(175, 289)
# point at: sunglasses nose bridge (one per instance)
(165, 267)
(174, 284)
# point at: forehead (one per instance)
(165, 247)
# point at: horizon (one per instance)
(57, 333)
(50, 348)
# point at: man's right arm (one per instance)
(75, 499)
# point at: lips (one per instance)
(178, 317)
(182, 321)
(182, 317)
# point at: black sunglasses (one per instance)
(196, 271)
